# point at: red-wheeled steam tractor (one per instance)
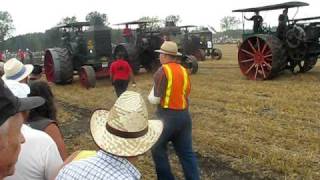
(293, 44)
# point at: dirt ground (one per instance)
(242, 129)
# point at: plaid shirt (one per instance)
(101, 166)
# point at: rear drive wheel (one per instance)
(58, 66)
(261, 57)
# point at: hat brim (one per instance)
(26, 104)
(29, 69)
(125, 147)
(165, 52)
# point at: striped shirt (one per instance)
(102, 166)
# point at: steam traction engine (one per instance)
(294, 45)
(84, 50)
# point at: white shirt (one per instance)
(209, 44)
(39, 158)
(21, 90)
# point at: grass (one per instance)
(268, 128)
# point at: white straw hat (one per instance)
(15, 70)
(169, 47)
(125, 130)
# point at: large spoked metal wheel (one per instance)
(58, 66)
(87, 77)
(216, 54)
(261, 57)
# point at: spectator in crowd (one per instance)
(36, 73)
(1, 56)
(122, 134)
(1, 68)
(11, 120)
(16, 71)
(20, 55)
(171, 93)
(35, 162)
(44, 117)
(121, 73)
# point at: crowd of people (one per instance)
(32, 145)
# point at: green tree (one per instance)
(68, 20)
(229, 23)
(154, 22)
(97, 18)
(173, 18)
(6, 25)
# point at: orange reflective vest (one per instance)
(178, 87)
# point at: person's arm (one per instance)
(52, 162)
(153, 99)
(111, 72)
(159, 87)
(132, 79)
(54, 132)
(131, 76)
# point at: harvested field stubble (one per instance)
(242, 129)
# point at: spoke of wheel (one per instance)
(264, 74)
(250, 68)
(247, 60)
(267, 64)
(254, 50)
(264, 48)
(250, 53)
(267, 59)
(258, 43)
(255, 75)
(266, 56)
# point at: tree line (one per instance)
(50, 38)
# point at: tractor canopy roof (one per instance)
(286, 5)
(75, 24)
(136, 22)
(187, 26)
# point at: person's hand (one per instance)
(134, 84)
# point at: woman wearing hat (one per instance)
(16, 71)
(171, 93)
(122, 134)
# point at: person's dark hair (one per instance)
(37, 69)
(48, 109)
(121, 55)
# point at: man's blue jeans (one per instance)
(178, 130)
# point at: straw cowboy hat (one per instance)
(125, 130)
(15, 70)
(169, 47)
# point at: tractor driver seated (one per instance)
(257, 22)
